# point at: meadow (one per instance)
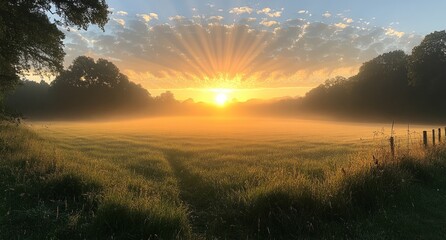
(219, 178)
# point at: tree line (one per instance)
(393, 85)
(87, 88)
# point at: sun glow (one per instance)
(221, 96)
(221, 99)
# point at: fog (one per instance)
(242, 128)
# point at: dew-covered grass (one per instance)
(219, 178)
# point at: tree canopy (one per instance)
(428, 62)
(30, 41)
(89, 89)
(90, 86)
(394, 85)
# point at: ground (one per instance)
(219, 178)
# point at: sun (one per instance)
(221, 99)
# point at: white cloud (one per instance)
(241, 10)
(326, 14)
(341, 25)
(148, 17)
(154, 15)
(269, 12)
(122, 13)
(305, 12)
(392, 32)
(267, 23)
(119, 21)
(216, 18)
(177, 18)
(348, 20)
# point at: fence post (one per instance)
(433, 137)
(392, 146)
(425, 139)
(439, 135)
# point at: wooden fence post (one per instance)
(425, 139)
(392, 146)
(439, 135)
(433, 137)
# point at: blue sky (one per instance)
(274, 47)
(421, 17)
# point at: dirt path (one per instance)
(197, 194)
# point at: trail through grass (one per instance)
(217, 180)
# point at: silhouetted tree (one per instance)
(427, 65)
(166, 98)
(29, 40)
(89, 87)
(382, 85)
(427, 72)
(393, 85)
(30, 98)
(322, 97)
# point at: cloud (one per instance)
(121, 13)
(267, 23)
(326, 14)
(215, 18)
(269, 12)
(119, 21)
(305, 12)
(177, 18)
(392, 32)
(348, 20)
(148, 17)
(341, 25)
(263, 53)
(241, 10)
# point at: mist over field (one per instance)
(238, 127)
(222, 119)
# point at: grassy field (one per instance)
(219, 178)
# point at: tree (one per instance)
(30, 98)
(29, 40)
(332, 95)
(95, 87)
(427, 65)
(382, 83)
(380, 88)
(166, 98)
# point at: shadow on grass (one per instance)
(42, 199)
(48, 206)
(331, 208)
(121, 220)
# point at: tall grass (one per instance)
(53, 193)
(73, 182)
